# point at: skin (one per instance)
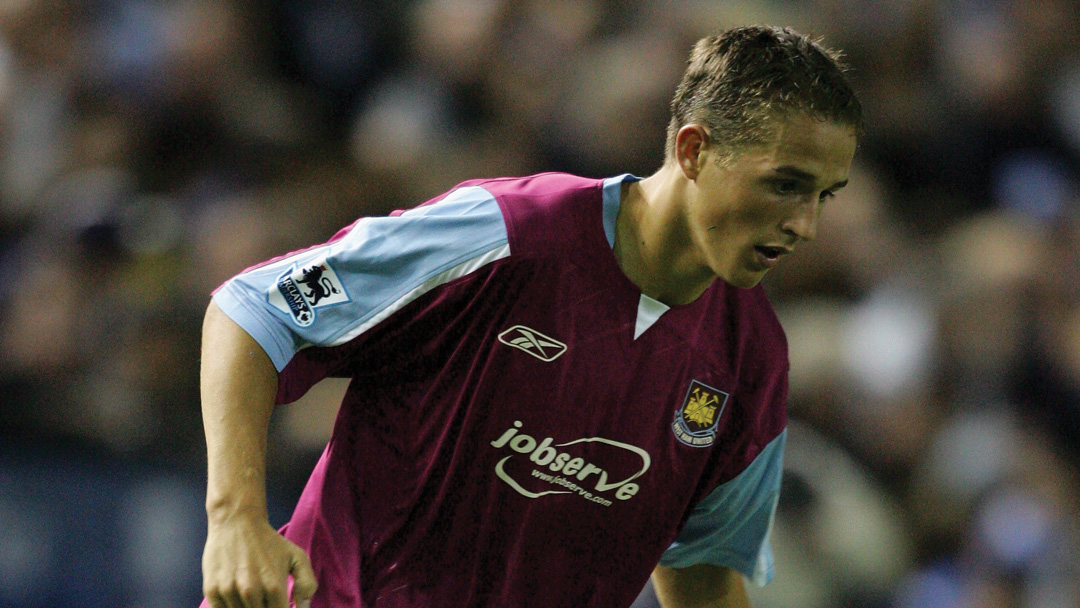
(678, 230)
(698, 219)
(245, 561)
(699, 586)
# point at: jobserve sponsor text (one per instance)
(562, 471)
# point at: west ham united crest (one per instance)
(696, 421)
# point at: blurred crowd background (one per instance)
(150, 149)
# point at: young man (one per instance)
(559, 385)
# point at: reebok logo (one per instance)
(533, 342)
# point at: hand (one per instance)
(246, 564)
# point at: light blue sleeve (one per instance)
(730, 527)
(328, 295)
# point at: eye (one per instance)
(826, 195)
(786, 187)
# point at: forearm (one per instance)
(700, 586)
(238, 383)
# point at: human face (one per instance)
(748, 211)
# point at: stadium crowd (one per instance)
(150, 149)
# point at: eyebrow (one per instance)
(805, 176)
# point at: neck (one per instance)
(652, 244)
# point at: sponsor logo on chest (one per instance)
(302, 290)
(541, 467)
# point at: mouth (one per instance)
(768, 255)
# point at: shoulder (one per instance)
(758, 326)
(548, 212)
(540, 187)
(760, 360)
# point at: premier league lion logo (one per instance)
(300, 292)
(320, 287)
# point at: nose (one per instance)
(803, 223)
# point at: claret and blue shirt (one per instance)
(523, 427)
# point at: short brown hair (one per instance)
(737, 80)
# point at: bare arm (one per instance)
(700, 586)
(245, 562)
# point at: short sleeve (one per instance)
(332, 293)
(730, 527)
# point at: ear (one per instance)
(690, 144)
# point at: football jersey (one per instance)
(523, 427)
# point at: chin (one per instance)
(744, 280)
